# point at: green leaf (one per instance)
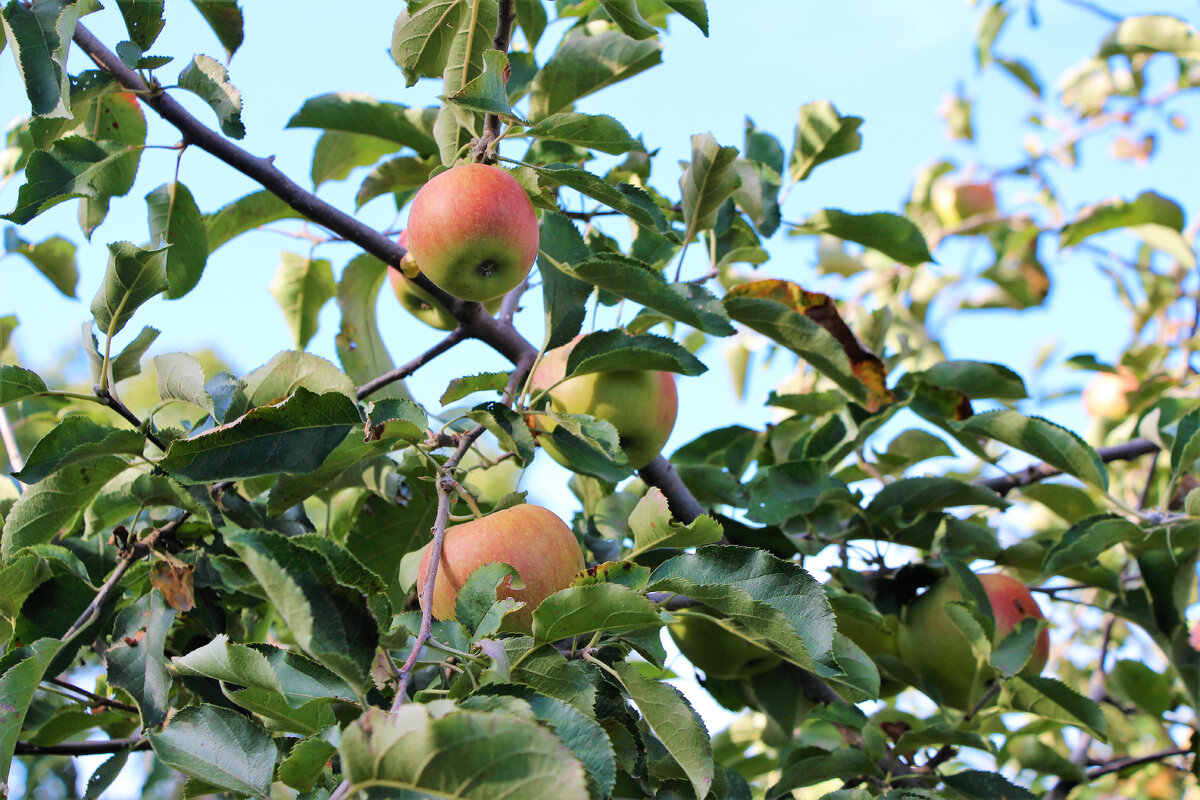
(400, 176)
(758, 194)
(225, 20)
(596, 607)
(563, 295)
(128, 362)
(26, 669)
(351, 456)
(76, 167)
(1149, 208)
(244, 214)
(40, 37)
(584, 64)
(360, 347)
(822, 134)
(55, 505)
(707, 182)
(422, 36)
(8, 324)
(973, 784)
(135, 659)
(104, 775)
(977, 380)
(397, 418)
(1052, 699)
(337, 153)
(891, 234)
(353, 112)
(293, 436)
(305, 763)
(693, 10)
(329, 621)
(76, 438)
(629, 200)
(605, 351)
(176, 220)
(464, 60)
(546, 670)
(507, 426)
(1185, 448)
(53, 257)
(1084, 541)
(302, 286)
(591, 446)
(629, 278)
(485, 92)
(134, 275)
(583, 735)
(1152, 33)
(990, 23)
(143, 20)
(458, 388)
(593, 131)
(1042, 439)
(17, 383)
(676, 724)
(653, 526)
(629, 20)
(208, 79)
(903, 501)
(774, 603)
(180, 376)
(220, 747)
(435, 749)
(287, 371)
(531, 16)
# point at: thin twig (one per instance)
(112, 401)
(92, 748)
(400, 373)
(1133, 761)
(491, 122)
(1038, 472)
(128, 558)
(96, 699)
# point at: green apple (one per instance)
(1107, 394)
(474, 231)
(955, 201)
(640, 404)
(530, 538)
(420, 303)
(716, 652)
(938, 651)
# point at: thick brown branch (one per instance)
(683, 504)
(1038, 472)
(92, 748)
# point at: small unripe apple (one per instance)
(1107, 394)
(956, 201)
(420, 303)
(473, 231)
(718, 653)
(938, 651)
(640, 404)
(530, 538)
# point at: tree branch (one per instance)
(92, 748)
(680, 500)
(491, 122)
(96, 699)
(112, 401)
(1038, 472)
(400, 373)
(1133, 761)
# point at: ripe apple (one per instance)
(421, 303)
(473, 231)
(934, 646)
(1107, 394)
(640, 404)
(531, 538)
(955, 201)
(716, 652)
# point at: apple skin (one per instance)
(936, 649)
(955, 201)
(640, 404)
(876, 638)
(718, 653)
(474, 231)
(421, 303)
(1107, 394)
(531, 538)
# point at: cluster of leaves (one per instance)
(234, 555)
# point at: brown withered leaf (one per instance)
(174, 579)
(866, 367)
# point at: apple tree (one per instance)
(224, 569)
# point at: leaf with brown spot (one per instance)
(174, 579)
(808, 324)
